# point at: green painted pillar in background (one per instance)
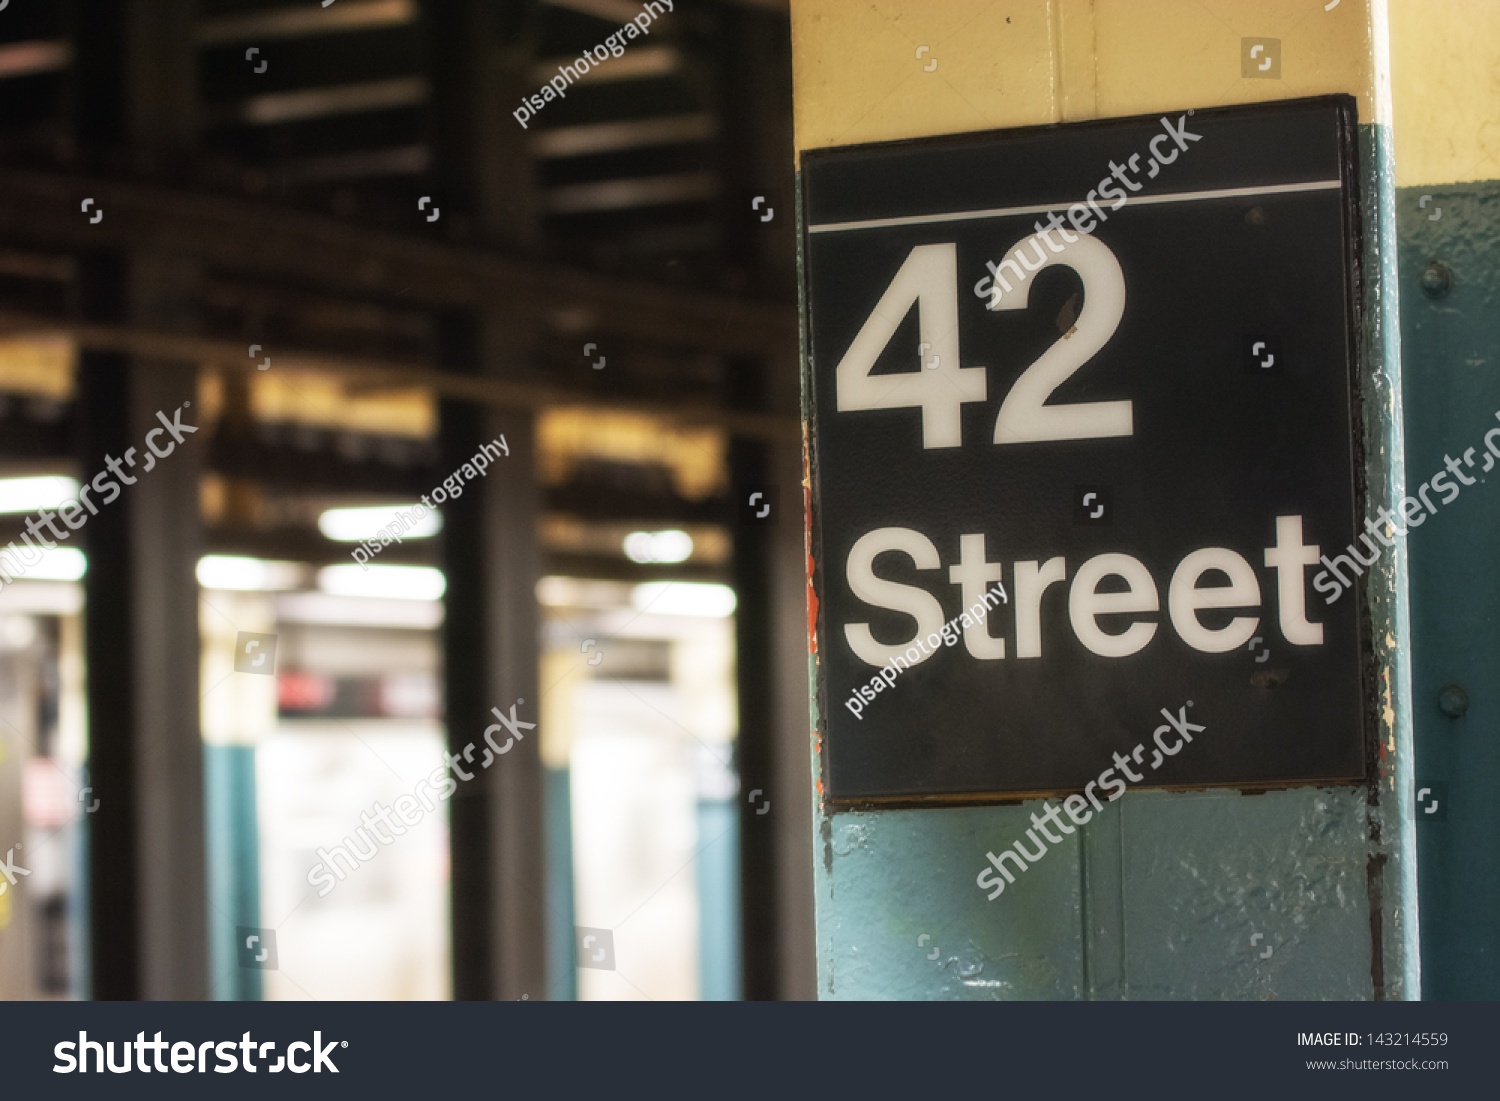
(562, 965)
(233, 867)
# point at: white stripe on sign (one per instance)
(1010, 211)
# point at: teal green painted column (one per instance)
(80, 930)
(562, 966)
(1450, 284)
(233, 866)
(718, 876)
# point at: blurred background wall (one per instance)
(318, 235)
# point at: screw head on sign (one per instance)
(1437, 279)
(1453, 701)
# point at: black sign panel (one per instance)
(1108, 370)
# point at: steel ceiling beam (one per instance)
(271, 241)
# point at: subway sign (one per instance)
(1083, 427)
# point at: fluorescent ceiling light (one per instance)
(683, 598)
(352, 525)
(30, 494)
(574, 592)
(396, 582)
(59, 564)
(223, 571)
(658, 546)
(358, 611)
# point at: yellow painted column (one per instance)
(857, 76)
(1445, 91)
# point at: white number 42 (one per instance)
(929, 277)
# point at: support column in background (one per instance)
(149, 930)
(134, 109)
(756, 750)
(771, 682)
(491, 643)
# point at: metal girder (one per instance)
(248, 237)
(371, 371)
